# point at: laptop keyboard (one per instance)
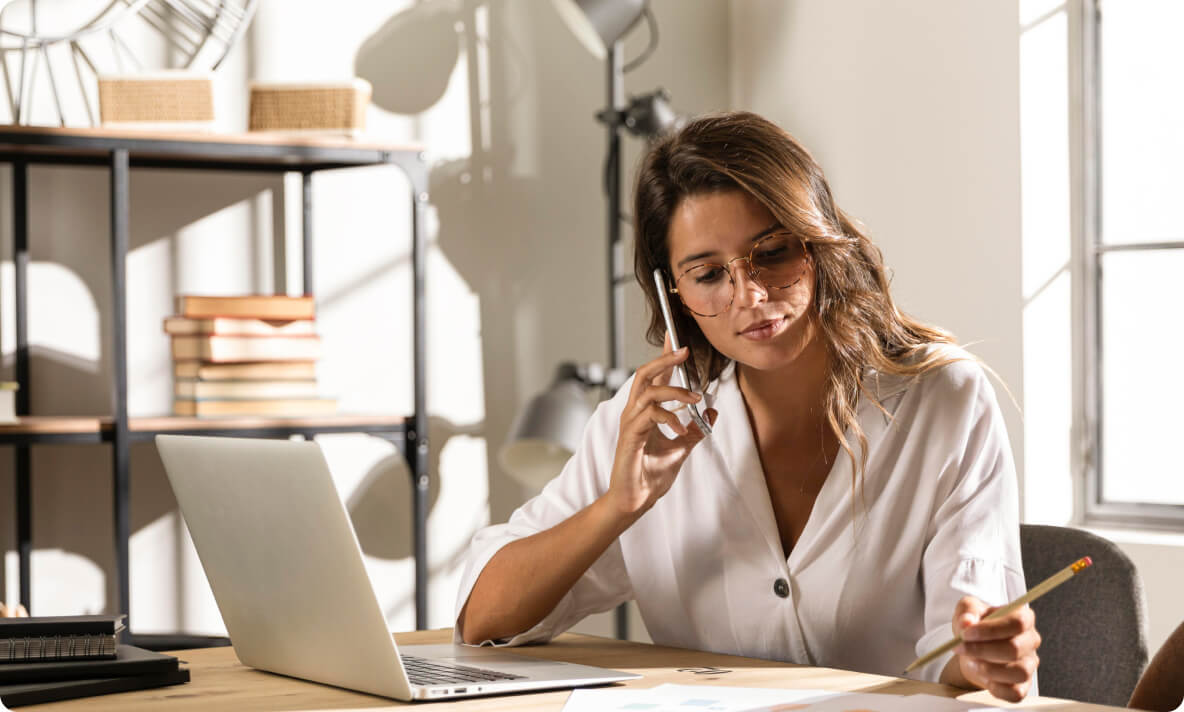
(421, 671)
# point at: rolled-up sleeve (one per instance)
(584, 478)
(973, 547)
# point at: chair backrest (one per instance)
(1094, 629)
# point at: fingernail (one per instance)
(698, 397)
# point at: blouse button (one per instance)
(781, 588)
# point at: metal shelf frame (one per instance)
(118, 153)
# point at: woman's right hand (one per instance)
(528, 577)
(646, 461)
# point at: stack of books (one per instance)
(45, 659)
(246, 356)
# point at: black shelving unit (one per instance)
(118, 152)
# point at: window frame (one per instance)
(1086, 134)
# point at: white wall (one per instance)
(516, 283)
(912, 111)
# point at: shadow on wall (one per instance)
(380, 506)
(520, 217)
(380, 511)
(69, 230)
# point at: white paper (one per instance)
(690, 698)
(933, 703)
(737, 699)
(720, 698)
(606, 700)
(864, 703)
(892, 703)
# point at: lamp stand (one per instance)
(616, 249)
(612, 187)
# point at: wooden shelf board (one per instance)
(166, 423)
(262, 148)
(54, 424)
(68, 424)
(252, 138)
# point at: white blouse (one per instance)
(873, 579)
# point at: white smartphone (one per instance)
(680, 373)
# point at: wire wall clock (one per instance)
(62, 46)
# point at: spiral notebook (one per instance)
(128, 661)
(50, 638)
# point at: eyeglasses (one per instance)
(777, 261)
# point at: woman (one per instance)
(857, 493)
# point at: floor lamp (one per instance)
(548, 430)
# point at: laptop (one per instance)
(287, 573)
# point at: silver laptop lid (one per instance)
(283, 560)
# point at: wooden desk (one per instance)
(220, 682)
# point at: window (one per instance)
(1133, 260)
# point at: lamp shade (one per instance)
(600, 23)
(547, 432)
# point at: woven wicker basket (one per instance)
(167, 99)
(312, 108)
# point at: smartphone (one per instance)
(680, 373)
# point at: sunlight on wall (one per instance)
(156, 541)
(151, 393)
(461, 509)
(455, 381)
(1047, 346)
(216, 258)
(71, 582)
(374, 482)
(63, 317)
(1032, 11)
(445, 125)
(1048, 492)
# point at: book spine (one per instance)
(236, 326)
(57, 647)
(282, 308)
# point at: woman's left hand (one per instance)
(997, 655)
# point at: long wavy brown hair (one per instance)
(861, 325)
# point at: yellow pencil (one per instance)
(1039, 590)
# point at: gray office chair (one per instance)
(1094, 627)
